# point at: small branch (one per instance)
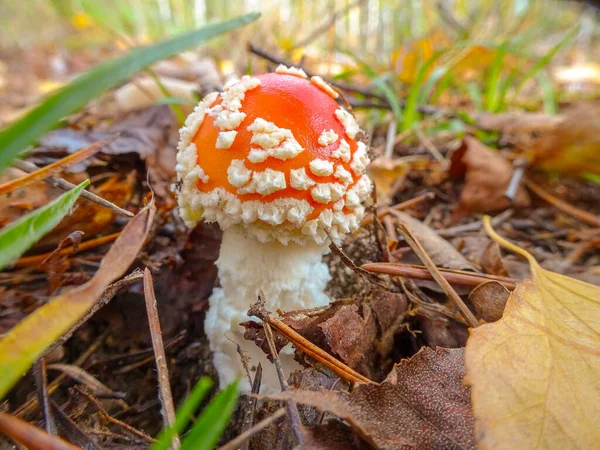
(515, 181)
(258, 310)
(399, 207)
(41, 381)
(164, 388)
(27, 261)
(246, 435)
(453, 276)
(251, 408)
(435, 273)
(66, 186)
(432, 148)
(583, 216)
(475, 226)
(111, 419)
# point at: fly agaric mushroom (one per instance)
(274, 160)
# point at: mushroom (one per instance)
(275, 161)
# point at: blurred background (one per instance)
(493, 55)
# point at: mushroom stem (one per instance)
(290, 277)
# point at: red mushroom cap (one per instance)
(276, 154)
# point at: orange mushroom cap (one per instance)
(276, 154)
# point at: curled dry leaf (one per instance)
(486, 175)
(422, 404)
(534, 373)
(573, 145)
(489, 300)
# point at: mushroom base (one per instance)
(291, 277)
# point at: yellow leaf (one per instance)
(387, 174)
(535, 373)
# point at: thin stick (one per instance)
(435, 273)
(164, 387)
(111, 419)
(515, 179)
(453, 276)
(583, 216)
(41, 381)
(236, 443)
(55, 167)
(475, 226)
(26, 166)
(432, 148)
(400, 206)
(308, 347)
(27, 261)
(291, 405)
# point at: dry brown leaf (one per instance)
(421, 404)
(489, 300)
(573, 145)
(534, 373)
(487, 175)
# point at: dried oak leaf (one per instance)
(487, 175)
(421, 404)
(534, 373)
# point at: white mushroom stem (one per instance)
(291, 277)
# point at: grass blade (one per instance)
(212, 422)
(17, 237)
(25, 131)
(184, 412)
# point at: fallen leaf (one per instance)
(573, 146)
(422, 404)
(26, 342)
(487, 175)
(387, 174)
(534, 373)
(491, 260)
(489, 300)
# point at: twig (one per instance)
(399, 207)
(164, 388)
(41, 381)
(306, 346)
(515, 180)
(111, 419)
(432, 148)
(435, 273)
(258, 51)
(475, 226)
(30, 435)
(26, 166)
(584, 216)
(55, 167)
(71, 430)
(423, 109)
(453, 276)
(251, 408)
(27, 261)
(246, 435)
(290, 404)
